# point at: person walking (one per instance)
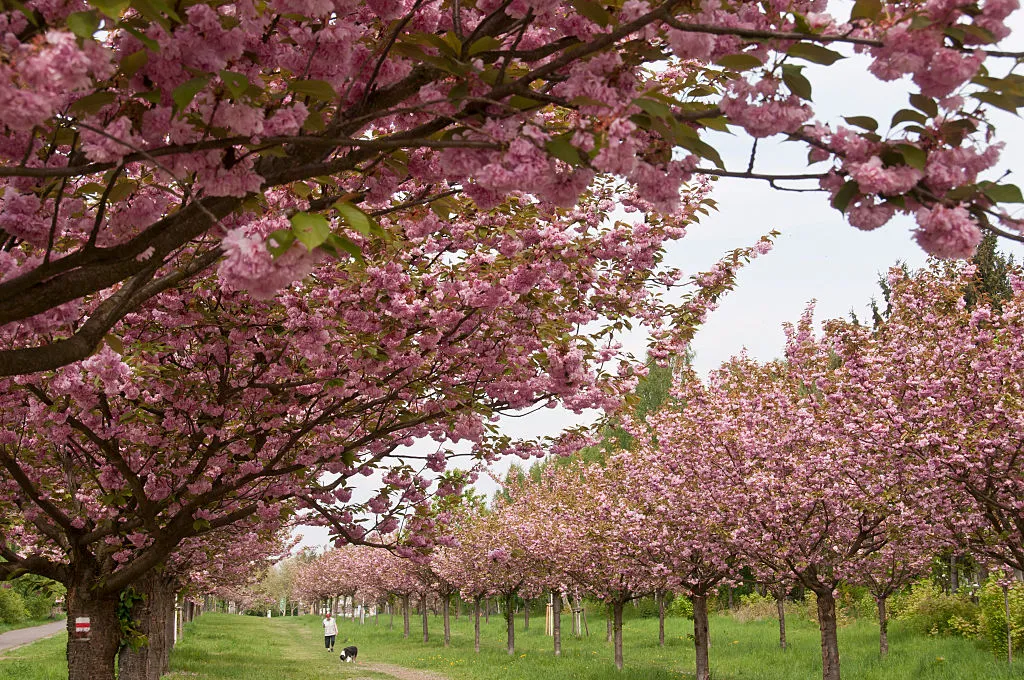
(330, 632)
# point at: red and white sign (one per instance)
(82, 627)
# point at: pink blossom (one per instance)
(947, 232)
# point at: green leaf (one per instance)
(200, 524)
(1006, 102)
(357, 219)
(562, 149)
(341, 244)
(91, 103)
(112, 8)
(155, 10)
(278, 242)
(814, 53)
(311, 229)
(236, 83)
(131, 64)
(908, 116)
(845, 195)
(866, 9)
(739, 62)
(593, 11)
(317, 89)
(924, 104)
(654, 107)
(187, 91)
(913, 156)
(1002, 193)
(864, 122)
(795, 81)
(84, 24)
(484, 44)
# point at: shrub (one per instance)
(928, 610)
(992, 619)
(12, 606)
(681, 607)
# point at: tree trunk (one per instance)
(730, 599)
(556, 622)
(883, 628)
(92, 659)
(487, 610)
(661, 619)
(700, 636)
(954, 581)
(617, 628)
(476, 623)
(405, 614)
(829, 637)
(1010, 629)
(445, 607)
(780, 605)
(426, 615)
(608, 627)
(149, 661)
(510, 622)
(526, 615)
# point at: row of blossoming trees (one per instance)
(857, 459)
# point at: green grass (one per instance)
(224, 647)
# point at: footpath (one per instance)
(23, 636)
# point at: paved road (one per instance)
(23, 636)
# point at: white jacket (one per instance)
(330, 627)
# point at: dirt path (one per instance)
(23, 636)
(401, 673)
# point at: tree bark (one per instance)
(526, 615)
(883, 628)
(405, 614)
(954, 581)
(445, 607)
(780, 605)
(476, 623)
(92, 659)
(426, 615)
(556, 622)
(617, 630)
(487, 610)
(829, 636)
(700, 636)
(155, 617)
(730, 599)
(661, 619)
(510, 622)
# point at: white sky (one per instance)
(818, 255)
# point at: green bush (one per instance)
(12, 606)
(38, 605)
(681, 607)
(992, 620)
(928, 610)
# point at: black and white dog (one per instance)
(349, 653)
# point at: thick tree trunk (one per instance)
(476, 623)
(510, 622)
(92, 659)
(780, 606)
(700, 636)
(405, 614)
(617, 629)
(829, 636)
(661, 619)
(445, 607)
(154, 614)
(883, 628)
(556, 622)
(426, 616)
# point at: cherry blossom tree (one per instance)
(144, 141)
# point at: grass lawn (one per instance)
(223, 647)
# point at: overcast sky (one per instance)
(817, 256)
